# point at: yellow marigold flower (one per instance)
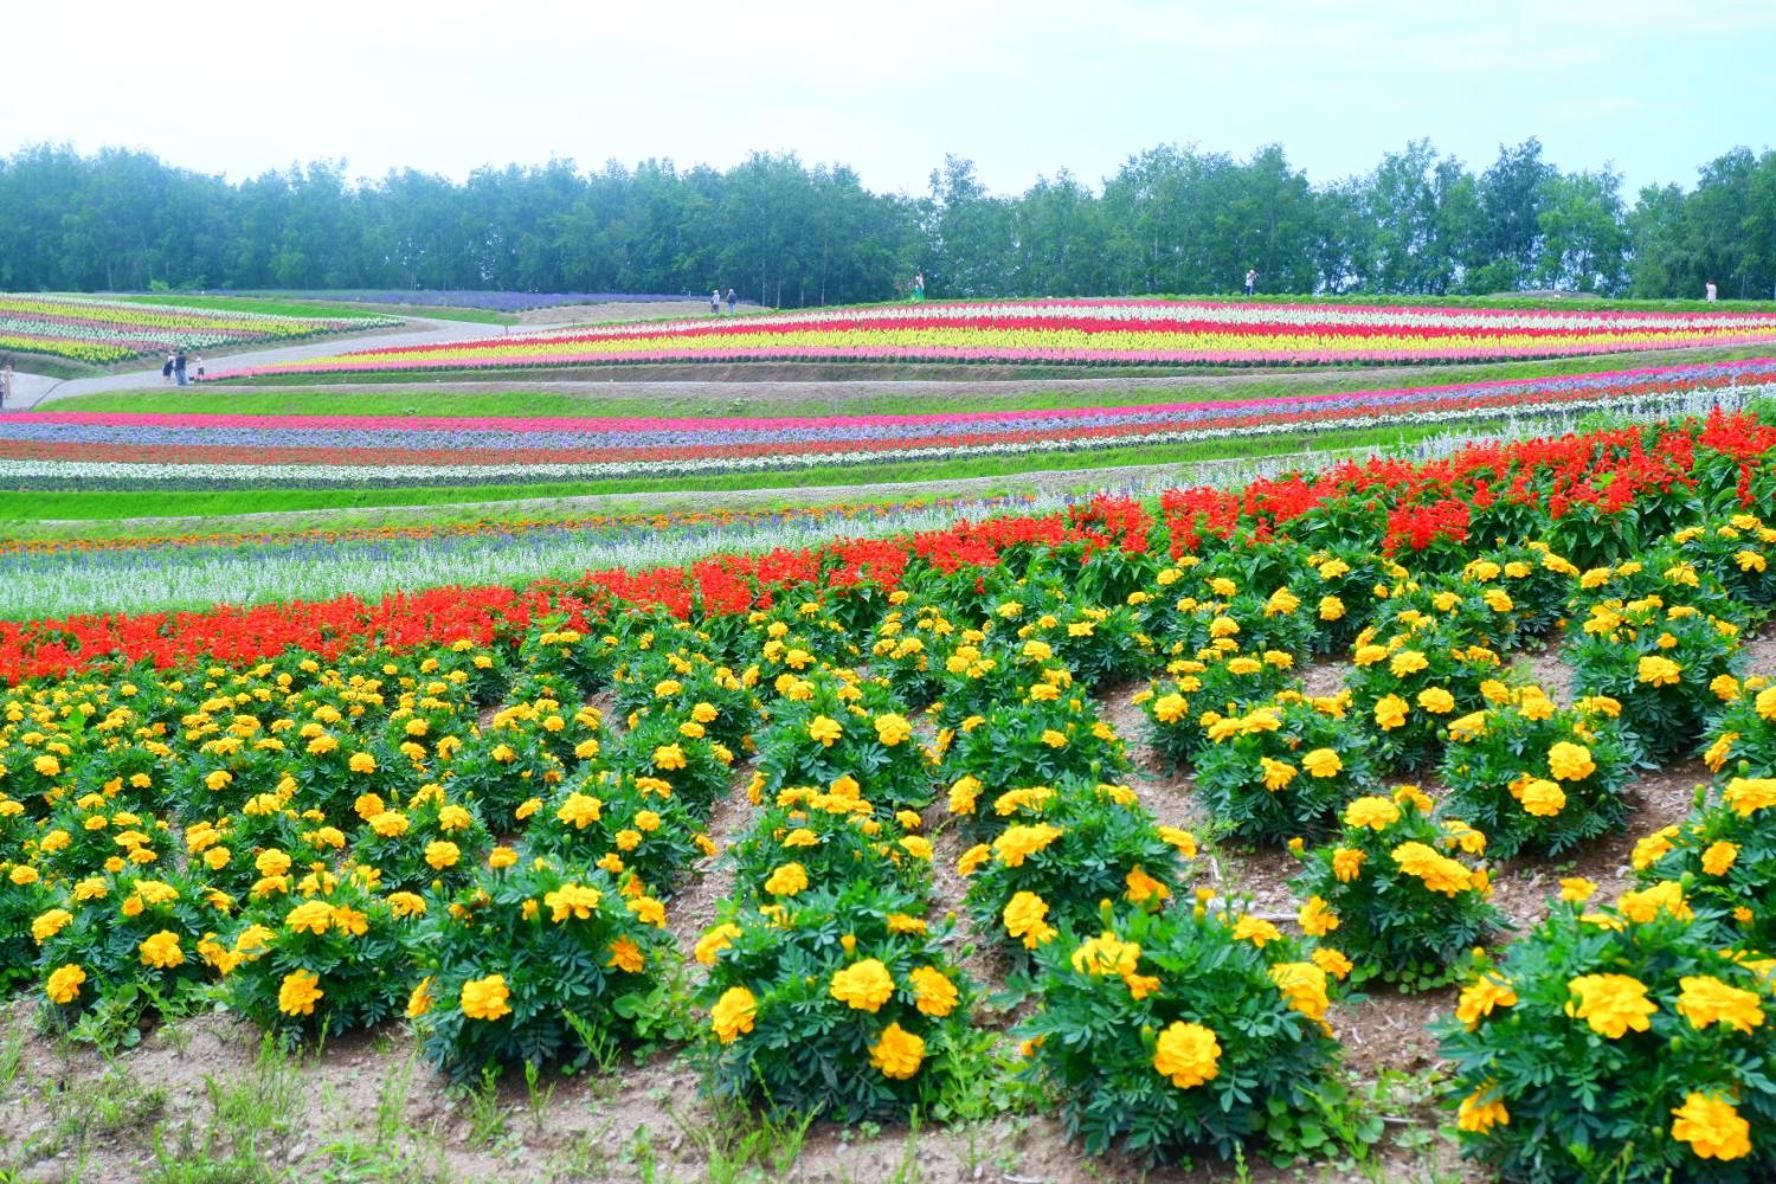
(712, 943)
(47, 925)
(647, 910)
(419, 1000)
(1347, 862)
(1333, 962)
(1707, 1000)
(1570, 762)
(1316, 917)
(1256, 930)
(787, 880)
(863, 986)
(1303, 986)
(1712, 1127)
(501, 857)
(1577, 889)
(1407, 662)
(1436, 700)
(1143, 887)
(1277, 774)
(407, 904)
(1053, 738)
(1106, 954)
(825, 729)
(299, 993)
(314, 916)
(1438, 872)
(971, 859)
(1612, 1004)
(362, 762)
(442, 854)
(486, 998)
(1748, 795)
(1660, 672)
(390, 824)
(1480, 997)
(1390, 712)
(1720, 857)
(934, 993)
(1187, 1053)
(572, 902)
(1017, 843)
(626, 956)
(1024, 917)
(892, 729)
(898, 1053)
(1543, 798)
(64, 982)
(1182, 840)
(1482, 1110)
(733, 1014)
(580, 810)
(1331, 608)
(1322, 762)
(1374, 812)
(1652, 848)
(161, 951)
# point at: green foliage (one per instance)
(1590, 1099)
(1725, 856)
(1282, 770)
(527, 952)
(1393, 887)
(1114, 1005)
(781, 1038)
(1495, 755)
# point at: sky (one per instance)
(1024, 89)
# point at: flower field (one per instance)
(955, 880)
(1083, 332)
(105, 331)
(55, 449)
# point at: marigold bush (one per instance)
(1616, 1043)
(1166, 1034)
(1284, 769)
(1393, 890)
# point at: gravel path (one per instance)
(29, 390)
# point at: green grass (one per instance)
(539, 401)
(35, 506)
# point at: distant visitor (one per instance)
(732, 301)
(1709, 291)
(1252, 281)
(715, 303)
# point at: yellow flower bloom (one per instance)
(787, 880)
(1543, 798)
(733, 1014)
(1143, 887)
(1303, 985)
(1187, 1053)
(626, 956)
(934, 993)
(486, 998)
(1436, 700)
(162, 951)
(1577, 889)
(897, 1054)
(1024, 917)
(1720, 857)
(1017, 843)
(1277, 774)
(1712, 1127)
(892, 729)
(1347, 863)
(1256, 930)
(1660, 672)
(64, 982)
(1390, 712)
(1570, 762)
(1316, 917)
(1374, 812)
(575, 902)
(1438, 872)
(1612, 1004)
(1707, 1000)
(825, 729)
(1482, 1110)
(1480, 997)
(299, 993)
(863, 986)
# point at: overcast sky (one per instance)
(1023, 88)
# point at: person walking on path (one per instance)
(6, 385)
(732, 301)
(166, 370)
(1709, 291)
(1251, 281)
(198, 362)
(919, 288)
(715, 303)
(179, 367)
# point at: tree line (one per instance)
(1172, 219)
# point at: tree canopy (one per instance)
(1171, 219)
